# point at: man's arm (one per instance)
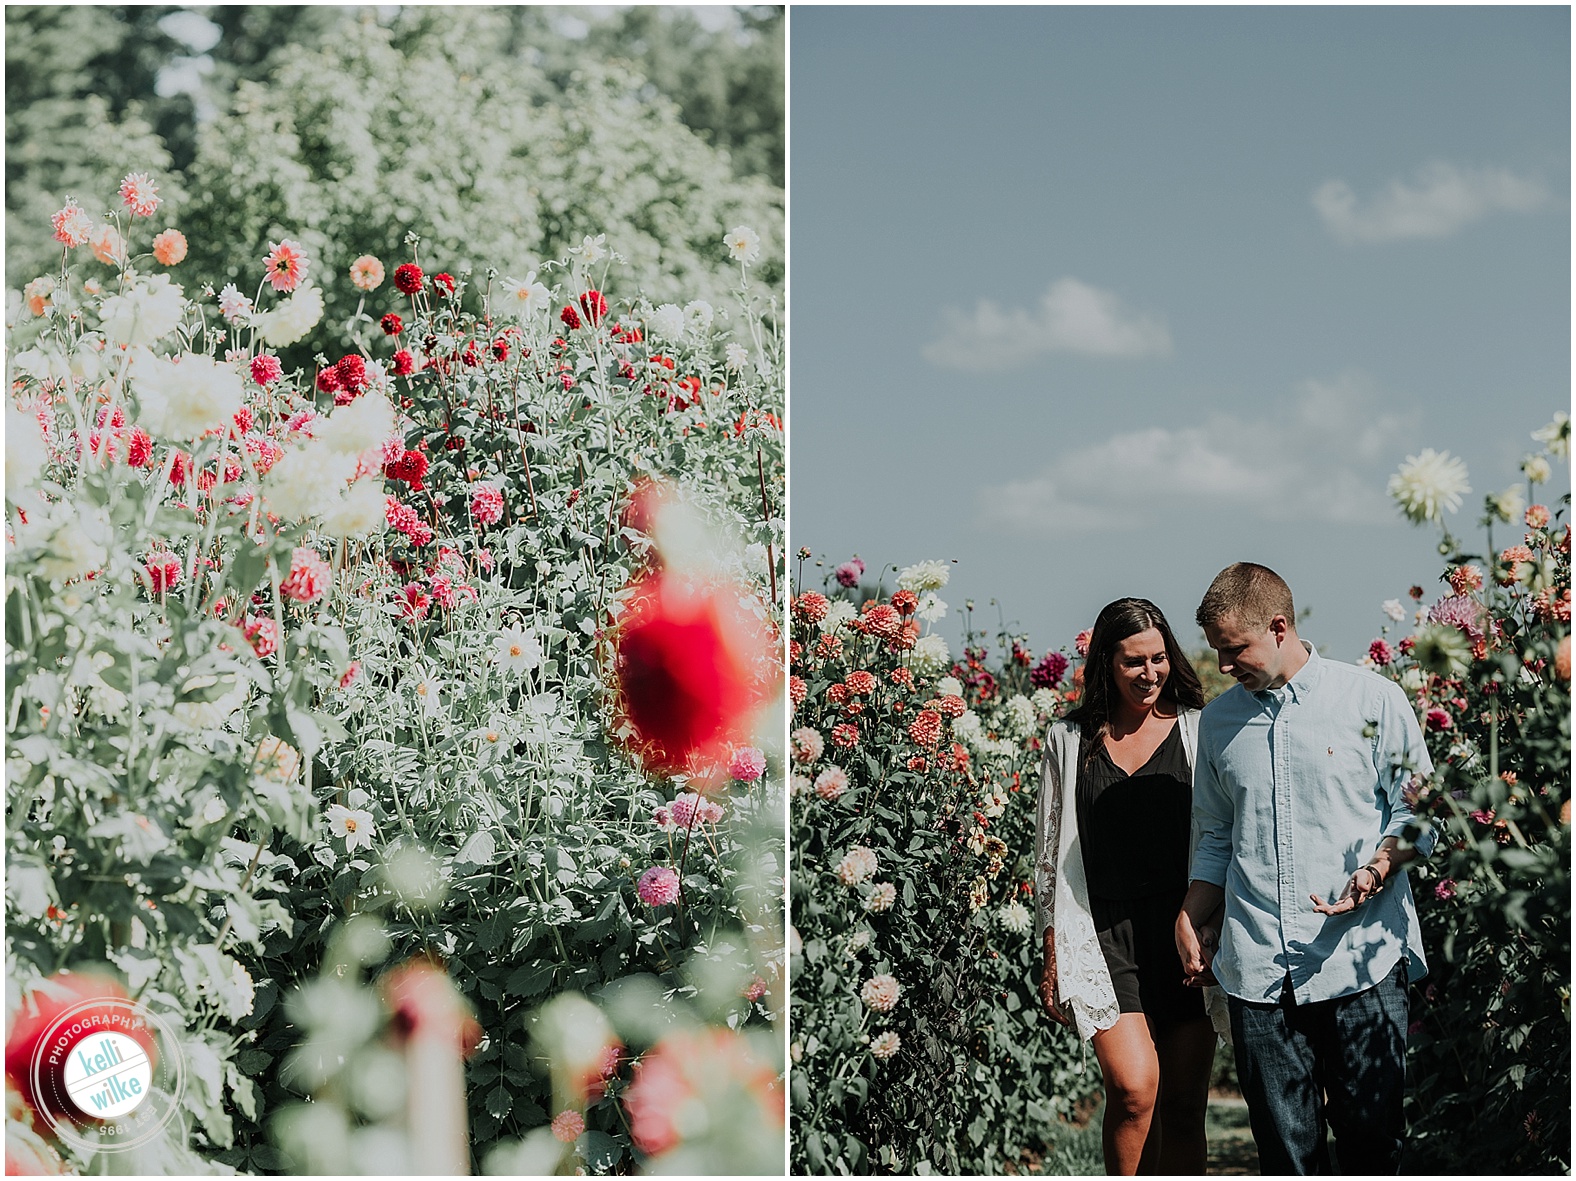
(1197, 932)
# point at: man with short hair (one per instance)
(1302, 793)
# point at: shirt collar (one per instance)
(1307, 677)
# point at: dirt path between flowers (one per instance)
(1231, 1149)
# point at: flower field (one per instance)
(395, 704)
(918, 1044)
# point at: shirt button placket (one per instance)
(1286, 824)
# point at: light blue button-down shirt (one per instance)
(1294, 789)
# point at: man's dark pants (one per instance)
(1343, 1061)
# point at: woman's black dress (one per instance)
(1134, 830)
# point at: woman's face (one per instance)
(1140, 667)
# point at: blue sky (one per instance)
(1098, 300)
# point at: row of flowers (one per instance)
(470, 630)
(912, 783)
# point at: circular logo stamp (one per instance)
(107, 1074)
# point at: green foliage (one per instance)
(143, 787)
(79, 116)
(328, 132)
(1489, 1059)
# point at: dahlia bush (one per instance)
(1487, 661)
(918, 1043)
(444, 662)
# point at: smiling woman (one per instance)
(1123, 759)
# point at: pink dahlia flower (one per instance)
(850, 572)
(925, 729)
(881, 898)
(807, 745)
(266, 369)
(72, 224)
(1459, 611)
(831, 783)
(747, 764)
(140, 194)
(658, 886)
(811, 606)
(881, 993)
(487, 505)
(885, 1046)
(309, 576)
(567, 1126)
(858, 865)
(366, 273)
(262, 632)
(285, 265)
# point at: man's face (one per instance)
(1254, 656)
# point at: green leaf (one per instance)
(499, 1102)
(600, 1150)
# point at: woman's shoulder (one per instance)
(1061, 732)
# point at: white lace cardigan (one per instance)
(1062, 898)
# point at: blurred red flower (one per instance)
(688, 667)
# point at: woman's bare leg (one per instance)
(1131, 1070)
(1187, 1054)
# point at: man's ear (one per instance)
(1279, 626)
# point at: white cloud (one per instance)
(1439, 201)
(1324, 456)
(1072, 317)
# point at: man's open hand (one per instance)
(1360, 887)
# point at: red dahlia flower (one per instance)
(594, 306)
(445, 281)
(139, 452)
(352, 371)
(266, 369)
(392, 325)
(404, 363)
(408, 278)
(410, 467)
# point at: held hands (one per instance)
(1196, 947)
(1360, 887)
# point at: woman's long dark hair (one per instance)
(1118, 621)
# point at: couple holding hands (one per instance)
(1235, 868)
